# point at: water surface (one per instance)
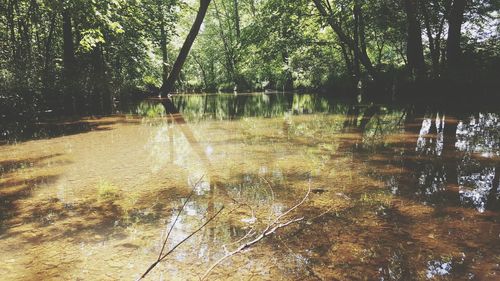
(397, 193)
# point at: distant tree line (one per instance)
(85, 56)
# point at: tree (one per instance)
(86, 57)
(326, 12)
(415, 50)
(186, 47)
(456, 18)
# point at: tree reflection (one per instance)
(437, 168)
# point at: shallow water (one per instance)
(395, 193)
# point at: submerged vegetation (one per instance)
(107, 191)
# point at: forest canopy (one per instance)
(87, 56)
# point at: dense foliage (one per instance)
(85, 56)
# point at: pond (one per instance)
(357, 192)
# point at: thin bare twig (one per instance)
(272, 198)
(162, 256)
(270, 229)
(177, 217)
(192, 233)
(180, 243)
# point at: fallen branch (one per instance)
(177, 217)
(270, 229)
(162, 256)
(180, 243)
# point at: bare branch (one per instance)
(177, 217)
(178, 244)
(162, 256)
(270, 229)
(192, 233)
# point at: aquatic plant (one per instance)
(107, 190)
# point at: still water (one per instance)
(391, 193)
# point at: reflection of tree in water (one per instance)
(397, 267)
(431, 162)
(431, 136)
(228, 107)
(477, 180)
(475, 183)
(433, 175)
(480, 135)
(211, 193)
(432, 180)
(438, 174)
(461, 163)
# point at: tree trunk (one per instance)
(288, 79)
(203, 72)
(441, 51)
(454, 34)
(415, 50)
(285, 56)
(48, 43)
(356, 69)
(69, 62)
(11, 27)
(163, 45)
(48, 66)
(362, 37)
(346, 54)
(102, 95)
(433, 41)
(186, 47)
(237, 19)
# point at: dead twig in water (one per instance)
(180, 243)
(270, 229)
(177, 217)
(162, 256)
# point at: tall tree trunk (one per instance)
(186, 47)
(362, 36)
(415, 50)
(102, 95)
(356, 68)
(69, 62)
(441, 51)
(433, 41)
(285, 56)
(237, 19)
(349, 66)
(203, 72)
(12, 30)
(288, 79)
(48, 65)
(455, 21)
(163, 44)
(164, 55)
(48, 43)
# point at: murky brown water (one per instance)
(396, 194)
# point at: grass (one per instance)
(107, 190)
